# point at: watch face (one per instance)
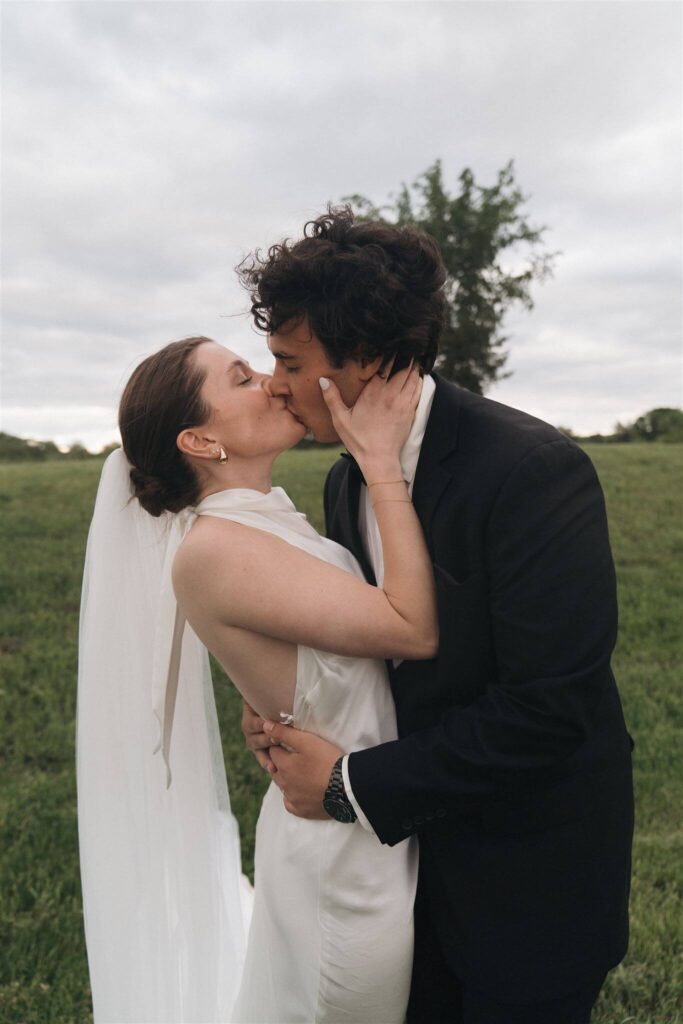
(339, 810)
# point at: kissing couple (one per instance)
(447, 832)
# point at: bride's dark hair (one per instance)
(161, 398)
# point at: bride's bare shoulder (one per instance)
(214, 545)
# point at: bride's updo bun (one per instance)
(161, 398)
(152, 493)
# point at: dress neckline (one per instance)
(245, 498)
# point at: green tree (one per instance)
(22, 449)
(475, 230)
(664, 424)
(661, 425)
(109, 448)
(78, 451)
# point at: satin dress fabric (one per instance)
(331, 934)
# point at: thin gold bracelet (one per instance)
(377, 483)
(403, 501)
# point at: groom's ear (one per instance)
(367, 368)
(191, 443)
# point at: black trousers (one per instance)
(437, 996)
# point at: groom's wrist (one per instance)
(362, 819)
(336, 801)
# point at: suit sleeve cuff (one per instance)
(349, 792)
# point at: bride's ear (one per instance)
(191, 443)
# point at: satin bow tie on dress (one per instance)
(168, 639)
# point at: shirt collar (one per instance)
(410, 452)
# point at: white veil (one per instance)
(165, 907)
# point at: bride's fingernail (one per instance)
(324, 383)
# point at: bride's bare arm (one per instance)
(374, 431)
(228, 575)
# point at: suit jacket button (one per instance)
(441, 813)
(419, 820)
(407, 824)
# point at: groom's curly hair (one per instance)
(367, 288)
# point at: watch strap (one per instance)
(336, 790)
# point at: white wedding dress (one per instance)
(166, 915)
(331, 936)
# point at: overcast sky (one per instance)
(148, 146)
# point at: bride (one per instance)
(188, 528)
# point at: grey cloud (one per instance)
(147, 147)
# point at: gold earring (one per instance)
(223, 457)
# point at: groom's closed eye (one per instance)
(285, 360)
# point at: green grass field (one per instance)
(45, 514)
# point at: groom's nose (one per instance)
(277, 384)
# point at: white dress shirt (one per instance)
(369, 530)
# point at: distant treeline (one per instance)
(662, 425)
(22, 449)
(659, 425)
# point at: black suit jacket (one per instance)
(513, 763)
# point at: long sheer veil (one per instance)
(165, 908)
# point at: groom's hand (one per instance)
(303, 770)
(254, 736)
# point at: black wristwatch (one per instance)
(335, 801)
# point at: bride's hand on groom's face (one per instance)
(303, 763)
(254, 736)
(375, 429)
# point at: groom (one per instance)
(513, 764)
